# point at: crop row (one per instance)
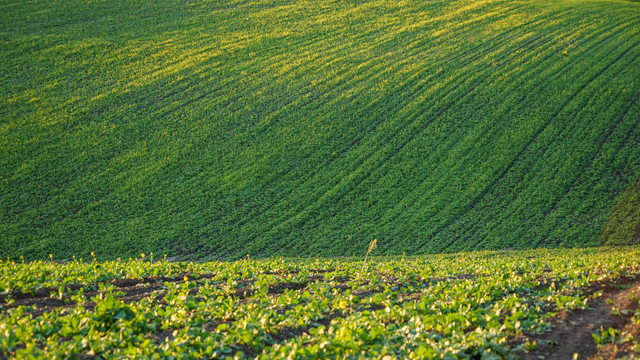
(461, 305)
(306, 129)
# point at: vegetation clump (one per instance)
(455, 306)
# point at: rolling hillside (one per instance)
(217, 129)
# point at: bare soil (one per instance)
(572, 330)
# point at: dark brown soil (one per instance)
(572, 330)
(43, 302)
(278, 288)
(294, 271)
(136, 289)
(120, 283)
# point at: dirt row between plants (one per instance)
(119, 283)
(132, 282)
(136, 289)
(571, 331)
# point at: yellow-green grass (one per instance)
(217, 129)
(623, 225)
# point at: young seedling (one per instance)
(372, 246)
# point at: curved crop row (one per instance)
(217, 129)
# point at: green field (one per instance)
(479, 305)
(217, 129)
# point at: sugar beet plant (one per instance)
(456, 306)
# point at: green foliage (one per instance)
(623, 226)
(109, 310)
(219, 128)
(603, 336)
(456, 306)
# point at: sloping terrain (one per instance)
(217, 129)
(623, 226)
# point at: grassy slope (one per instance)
(311, 127)
(623, 225)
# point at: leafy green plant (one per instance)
(603, 336)
(463, 305)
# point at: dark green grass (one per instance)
(224, 128)
(623, 225)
